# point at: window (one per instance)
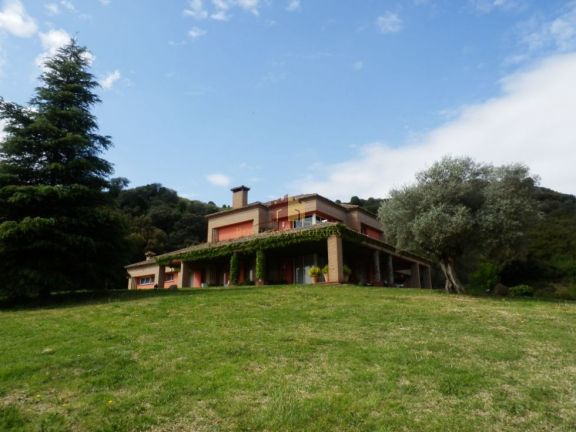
(306, 222)
(169, 277)
(146, 280)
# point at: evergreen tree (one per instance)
(58, 227)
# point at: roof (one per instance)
(284, 199)
(292, 236)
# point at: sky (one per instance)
(338, 97)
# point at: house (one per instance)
(278, 241)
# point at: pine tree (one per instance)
(58, 227)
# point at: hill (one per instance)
(292, 359)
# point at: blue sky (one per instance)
(347, 97)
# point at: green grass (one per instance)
(290, 359)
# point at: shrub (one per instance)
(565, 292)
(485, 278)
(325, 269)
(501, 290)
(347, 270)
(521, 291)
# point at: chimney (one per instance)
(239, 196)
(150, 256)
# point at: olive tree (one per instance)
(460, 206)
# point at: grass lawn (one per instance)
(290, 359)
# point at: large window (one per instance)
(146, 280)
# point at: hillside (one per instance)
(291, 359)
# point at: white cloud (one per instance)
(196, 9)
(487, 6)
(558, 33)
(66, 4)
(531, 122)
(219, 10)
(52, 8)
(104, 2)
(51, 41)
(196, 32)
(110, 79)
(15, 20)
(358, 65)
(218, 179)
(249, 5)
(389, 23)
(293, 5)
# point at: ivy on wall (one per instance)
(269, 240)
(252, 244)
(260, 265)
(234, 269)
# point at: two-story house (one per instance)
(278, 241)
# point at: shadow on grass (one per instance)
(83, 298)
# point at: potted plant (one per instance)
(347, 272)
(325, 272)
(315, 272)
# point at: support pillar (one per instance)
(390, 271)
(184, 275)
(427, 276)
(131, 283)
(377, 274)
(335, 259)
(159, 276)
(415, 276)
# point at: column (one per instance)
(390, 270)
(335, 259)
(415, 276)
(427, 277)
(159, 276)
(377, 274)
(184, 275)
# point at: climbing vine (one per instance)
(252, 244)
(234, 269)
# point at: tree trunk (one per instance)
(453, 284)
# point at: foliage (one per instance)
(160, 220)
(565, 292)
(364, 357)
(234, 269)
(521, 291)
(460, 207)
(315, 271)
(325, 269)
(371, 204)
(260, 271)
(347, 270)
(501, 290)
(262, 242)
(59, 229)
(485, 277)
